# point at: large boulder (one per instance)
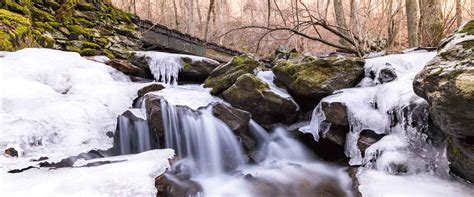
(224, 76)
(267, 107)
(447, 83)
(196, 69)
(319, 77)
(130, 69)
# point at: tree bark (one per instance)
(458, 13)
(208, 18)
(190, 25)
(412, 22)
(431, 23)
(340, 19)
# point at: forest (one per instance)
(275, 98)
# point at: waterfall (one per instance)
(206, 143)
(134, 134)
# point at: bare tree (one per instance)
(208, 18)
(190, 22)
(412, 22)
(431, 22)
(393, 21)
(458, 13)
(340, 19)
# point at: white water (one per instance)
(165, 67)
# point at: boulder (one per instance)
(130, 69)
(225, 75)
(150, 88)
(319, 77)
(238, 121)
(447, 84)
(253, 95)
(196, 70)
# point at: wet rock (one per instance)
(335, 112)
(39, 159)
(387, 74)
(311, 81)
(251, 94)
(169, 184)
(11, 152)
(150, 88)
(196, 70)
(225, 75)
(447, 84)
(237, 120)
(130, 69)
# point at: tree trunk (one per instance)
(176, 21)
(458, 13)
(190, 24)
(208, 18)
(340, 19)
(393, 22)
(412, 22)
(355, 22)
(431, 23)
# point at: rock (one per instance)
(196, 70)
(283, 52)
(335, 112)
(169, 184)
(11, 152)
(447, 84)
(251, 94)
(150, 88)
(155, 118)
(225, 75)
(238, 121)
(130, 69)
(387, 74)
(320, 77)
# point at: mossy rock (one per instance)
(90, 52)
(251, 94)
(468, 28)
(46, 41)
(18, 7)
(319, 77)
(224, 76)
(15, 31)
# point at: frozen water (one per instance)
(165, 67)
(193, 96)
(374, 103)
(129, 175)
(58, 104)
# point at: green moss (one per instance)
(14, 6)
(107, 53)
(55, 24)
(73, 48)
(101, 41)
(76, 29)
(5, 14)
(90, 52)
(40, 15)
(468, 28)
(85, 6)
(84, 22)
(90, 45)
(42, 26)
(46, 41)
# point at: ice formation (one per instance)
(165, 67)
(193, 96)
(58, 104)
(384, 102)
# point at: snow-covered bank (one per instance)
(130, 175)
(375, 183)
(58, 104)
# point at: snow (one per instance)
(165, 67)
(193, 96)
(369, 105)
(58, 104)
(268, 77)
(131, 175)
(375, 183)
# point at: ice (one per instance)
(58, 104)
(375, 183)
(165, 67)
(373, 104)
(128, 175)
(267, 77)
(193, 96)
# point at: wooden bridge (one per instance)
(161, 38)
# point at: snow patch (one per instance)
(193, 96)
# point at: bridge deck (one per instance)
(159, 37)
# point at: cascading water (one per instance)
(206, 144)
